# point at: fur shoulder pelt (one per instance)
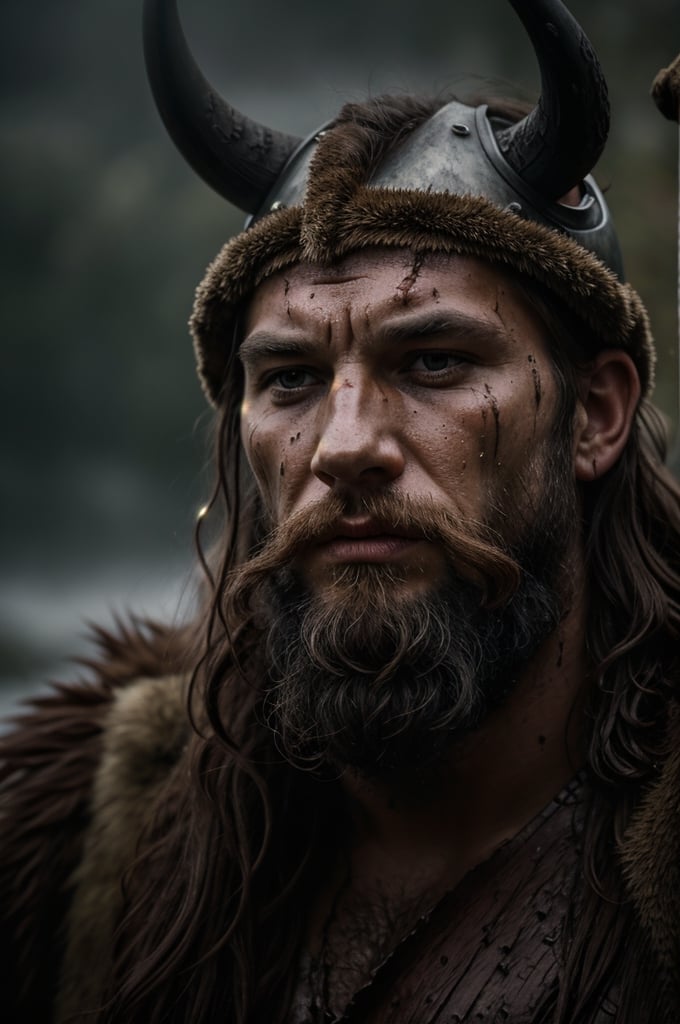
(49, 762)
(147, 729)
(650, 855)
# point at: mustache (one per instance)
(473, 550)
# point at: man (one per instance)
(416, 759)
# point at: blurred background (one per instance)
(107, 232)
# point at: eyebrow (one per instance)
(432, 324)
(262, 344)
(426, 325)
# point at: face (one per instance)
(399, 420)
(427, 379)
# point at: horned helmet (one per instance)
(457, 180)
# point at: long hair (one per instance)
(215, 906)
(632, 522)
(631, 529)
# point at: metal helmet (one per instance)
(526, 166)
(460, 181)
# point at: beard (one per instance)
(365, 675)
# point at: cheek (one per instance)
(263, 452)
(463, 438)
(278, 458)
(522, 415)
(525, 418)
(445, 447)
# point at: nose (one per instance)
(358, 446)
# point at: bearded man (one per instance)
(416, 759)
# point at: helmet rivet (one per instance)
(277, 205)
(514, 207)
(460, 129)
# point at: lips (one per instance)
(360, 528)
(366, 540)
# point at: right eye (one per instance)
(289, 380)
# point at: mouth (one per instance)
(366, 540)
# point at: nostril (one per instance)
(367, 465)
(325, 478)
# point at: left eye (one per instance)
(291, 379)
(434, 362)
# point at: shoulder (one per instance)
(80, 754)
(650, 855)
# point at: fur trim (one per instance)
(137, 647)
(147, 729)
(342, 214)
(48, 762)
(649, 856)
(666, 90)
(47, 767)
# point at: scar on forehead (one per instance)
(498, 305)
(409, 282)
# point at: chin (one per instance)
(369, 585)
(370, 676)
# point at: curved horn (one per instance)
(560, 141)
(239, 158)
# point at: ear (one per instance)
(609, 398)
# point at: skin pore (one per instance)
(427, 377)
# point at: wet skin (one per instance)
(431, 380)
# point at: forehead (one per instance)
(386, 284)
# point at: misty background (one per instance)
(106, 232)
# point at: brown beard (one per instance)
(369, 677)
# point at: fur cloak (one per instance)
(81, 774)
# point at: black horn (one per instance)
(236, 156)
(560, 141)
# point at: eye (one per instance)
(437, 366)
(435, 361)
(290, 384)
(289, 380)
